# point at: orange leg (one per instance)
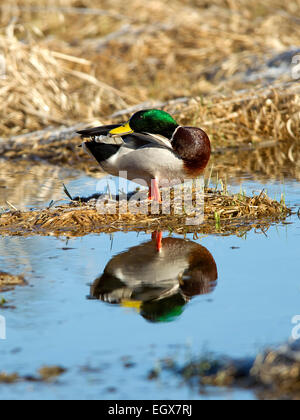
(154, 193)
(157, 236)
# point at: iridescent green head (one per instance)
(152, 121)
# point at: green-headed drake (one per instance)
(151, 147)
(157, 284)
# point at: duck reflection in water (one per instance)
(157, 278)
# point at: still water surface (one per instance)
(108, 308)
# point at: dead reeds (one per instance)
(223, 214)
(264, 124)
(66, 63)
(9, 281)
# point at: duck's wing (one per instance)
(140, 140)
(97, 131)
(132, 141)
(159, 140)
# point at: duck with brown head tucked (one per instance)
(151, 147)
(157, 284)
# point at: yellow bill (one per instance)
(122, 130)
(135, 304)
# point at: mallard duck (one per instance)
(150, 148)
(157, 284)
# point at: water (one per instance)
(27, 185)
(108, 309)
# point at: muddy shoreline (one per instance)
(272, 374)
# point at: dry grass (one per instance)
(273, 375)
(45, 87)
(224, 214)
(248, 118)
(252, 120)
(8, 378)
(9, 281)
(66, 63)
(45, 374)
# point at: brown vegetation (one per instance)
(70, 64)
(223, 214)
(9, 281)
(67, 62)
